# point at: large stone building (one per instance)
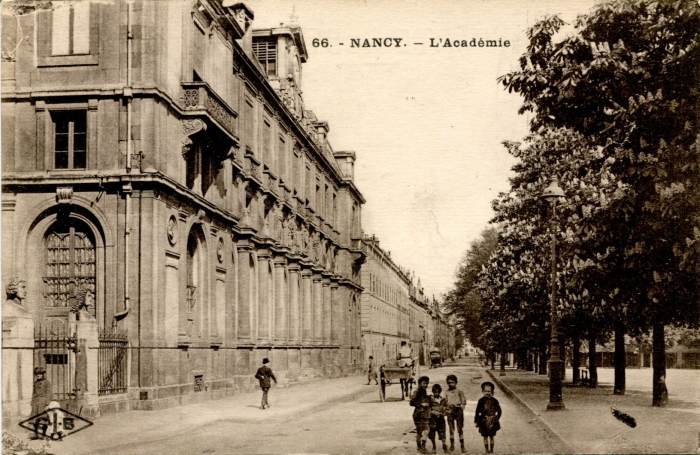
(385, 304)
(159, 154)
(395, 309)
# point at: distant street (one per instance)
(356, 423)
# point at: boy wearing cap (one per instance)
(42, 394)
(264, 374)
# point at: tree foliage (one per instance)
(628, 81)
(464, 300)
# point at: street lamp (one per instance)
(553, 193)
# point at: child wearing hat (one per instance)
(42, 394)
(264, 374)
(488, 413)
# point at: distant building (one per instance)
(394, 309)
(385, 304)
(160, 155)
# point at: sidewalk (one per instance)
(123, 427)
(587, 425)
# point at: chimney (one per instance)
(346, 163)
(321, 130)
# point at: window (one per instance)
(249, 120)
(267, 144)
(335, 210)
(70, 139)
(70, 262)
(282, 158)
(266, 52)
(192, 282)
(70, 29)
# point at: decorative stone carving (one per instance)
(190, 127)
(84, 299)
(304, 240)
(64, 194)
(316, 247)
(220, 250)
(291, 235)
(172, 230)
(16, 291)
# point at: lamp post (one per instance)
(554, 193)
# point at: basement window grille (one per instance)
(199, 383)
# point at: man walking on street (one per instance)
(264, 375)
(372, 371)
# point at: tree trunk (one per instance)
(576, 362)
(543, 359)
(493, 361)
(536, 361)
(620, 359)
(562, 350)
(503, 363)
(592, 368)
(660, 392)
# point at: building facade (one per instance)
(395, 309)
(385, 304)
(159, 155)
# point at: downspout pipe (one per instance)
(129, 150)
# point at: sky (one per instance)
(426, 123)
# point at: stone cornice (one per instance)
(117, 178)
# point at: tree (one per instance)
(628, 80)
(463, 300)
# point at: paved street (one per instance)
(328, 416)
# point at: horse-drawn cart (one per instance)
(405, 376)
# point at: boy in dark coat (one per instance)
(421, 414)
(264, 374)
(438, 409)
(488, 413)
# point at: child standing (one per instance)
(438, 409)
(264, 374)
(488, 413)
(456, 401)
(421, 414)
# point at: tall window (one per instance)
(249, 124)
(70, 262)
(266, 52)
(70, 31)
(70, 139)
(267, 145)
(192, 282)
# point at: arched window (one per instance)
(192, 282)
(70, 261)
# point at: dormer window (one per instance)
(266, 52)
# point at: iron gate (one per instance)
(53, 350)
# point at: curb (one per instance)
(545, 425)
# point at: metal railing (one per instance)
(112, 362)
(53, 350)
(200, 96)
